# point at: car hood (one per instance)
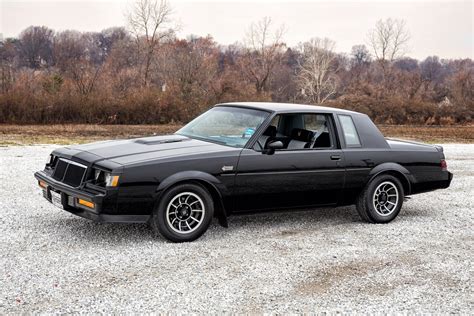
(124, 152)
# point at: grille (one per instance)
(69, 172)
(60, 170)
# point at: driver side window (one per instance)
(298, 131)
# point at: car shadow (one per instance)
(89, 231)
(301, 215)
(73, 227)
(320, 217)
(287, 221)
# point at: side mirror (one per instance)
(272, 147)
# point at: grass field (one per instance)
(82, 133)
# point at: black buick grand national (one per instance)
(243, 157)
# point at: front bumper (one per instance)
(70, 197)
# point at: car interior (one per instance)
(298, 131)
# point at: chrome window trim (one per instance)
(73, 163)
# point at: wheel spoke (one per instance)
(385, 198)
(179, 212)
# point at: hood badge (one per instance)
(227, 168)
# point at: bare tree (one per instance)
(359, 62)
(389, 39)
(73, 55)
(8, 51)
(263, 50)
(360, 55)
(317, 69)
(35, 46)
(149, 21)
(431, 68)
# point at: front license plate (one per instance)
(56, 199)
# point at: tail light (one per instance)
(444, 165)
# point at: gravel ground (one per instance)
(312, 261)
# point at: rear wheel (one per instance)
(183, 213)
(381, 200)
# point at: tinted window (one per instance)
(319, 125)
(275, 121)
(315, 122)
(231, 126)
(349, 130)
(299, 131)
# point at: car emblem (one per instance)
(227, 168)
(299, 133)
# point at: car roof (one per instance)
(286, 107)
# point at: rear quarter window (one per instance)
(349, 130)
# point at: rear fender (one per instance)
(391, 167)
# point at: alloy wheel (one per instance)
(385, 199)
(185, 212)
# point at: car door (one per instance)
(289, 177)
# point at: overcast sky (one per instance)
(442, 27)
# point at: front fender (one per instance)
(217, 186)
(192, 175)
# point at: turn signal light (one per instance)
(114, 181)
(85, 203)
(42, 184)
(110, 180)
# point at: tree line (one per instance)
(145, 74)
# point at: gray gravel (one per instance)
(312, 261)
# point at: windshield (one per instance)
(231, 126)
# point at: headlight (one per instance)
(104, 178)
(110, 180)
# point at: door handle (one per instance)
(335, 157)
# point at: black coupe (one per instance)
(239, 158)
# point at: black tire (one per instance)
(164, 222)
(372, 211)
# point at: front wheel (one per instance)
(381, 200)
(183, 213)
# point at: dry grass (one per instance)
(431, 134)
(76, 133)
(82, 133)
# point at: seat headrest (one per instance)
(270, 131)
(301, 134)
